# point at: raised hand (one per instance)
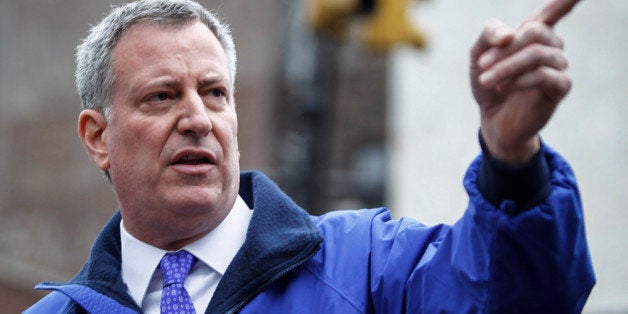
(518, 77)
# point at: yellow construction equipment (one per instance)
(387, 25)
(391, 24)
(331, 16)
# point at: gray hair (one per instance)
(94, 73)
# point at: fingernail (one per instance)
(500, 35)
(485, 61)
(485, 78)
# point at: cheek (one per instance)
(122, 153)
(228, 129)
(230, 142)
(134, 142)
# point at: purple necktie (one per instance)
(174, 268)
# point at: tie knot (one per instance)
(175, 266)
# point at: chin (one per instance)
(197, 200)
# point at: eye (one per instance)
(217, 92)
(158, 97)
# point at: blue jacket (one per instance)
(490, 261)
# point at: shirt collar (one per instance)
(216, 249)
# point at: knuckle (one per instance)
(541, 75)
(539, 32)
(489, 26)
(538, 52)
(534, 29)
(493, 27)
(545, 73)
(560, 82)
(556, 58)
(559, 60)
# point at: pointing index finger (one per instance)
(553, 11)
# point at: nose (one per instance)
(194, 118)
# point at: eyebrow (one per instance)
(171, 82)
(159, 82)
(213, 79)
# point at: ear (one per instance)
(91, 129)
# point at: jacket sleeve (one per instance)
(54, 302)
(495, 259)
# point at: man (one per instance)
(194, 235)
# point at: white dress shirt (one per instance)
(140, 261)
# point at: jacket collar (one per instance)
(280, 237)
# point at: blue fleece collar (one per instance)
(281, 236)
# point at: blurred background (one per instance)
(334, 108)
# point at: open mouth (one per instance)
(192, 160)
(193, 157)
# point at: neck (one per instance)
(174, 233)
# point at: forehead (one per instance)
(149, 43)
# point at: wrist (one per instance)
(510, 151)
(526, 185)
